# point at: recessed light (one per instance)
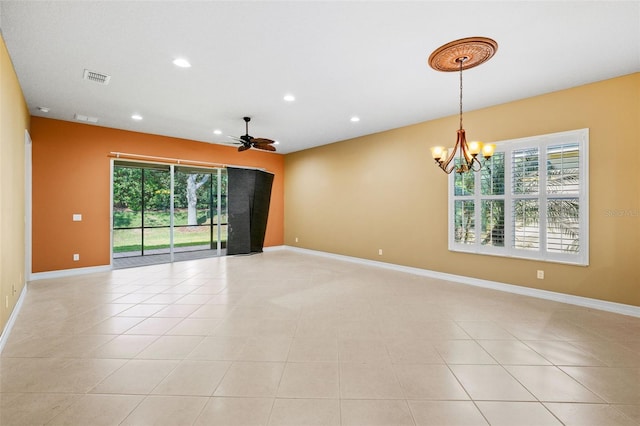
(181, 62)
(355, 119)
(136, 117)
(289, 98)
(276, 142)
(217, 132)
(43, 109)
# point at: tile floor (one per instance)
(284, 338)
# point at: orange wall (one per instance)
(71, 174)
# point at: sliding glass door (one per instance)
(156, 206)
(163, 210)
(200, 209)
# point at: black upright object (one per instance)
(249, 195)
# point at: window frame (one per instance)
(541, 142)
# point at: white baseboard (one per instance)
(4, 335)
(93, 269)
(69, 272)
(618, 308)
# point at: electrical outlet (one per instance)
(76, 257)
(379, 252)
(296, 239)
(540, 274)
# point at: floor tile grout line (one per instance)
(503, 365)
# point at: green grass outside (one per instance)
(133, 219)
(125, 240)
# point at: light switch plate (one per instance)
(77, 217)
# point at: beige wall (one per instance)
(14, 119)
(383, 191)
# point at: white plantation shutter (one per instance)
(492, 187)
(525, 177)
(530, 201)
(526, 224)
(563, 169)
(525, 171)
(492, 223)
(563, 198)
(465, 222)
(563, 225)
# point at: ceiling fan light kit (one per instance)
(457, 56)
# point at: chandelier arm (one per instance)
(447, 168)
(447, 164)
(447, 171)
(464, 149)
(475, 162)
(464, 152)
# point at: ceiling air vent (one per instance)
(97, 77)
(85, 118)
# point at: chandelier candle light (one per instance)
(460, 55)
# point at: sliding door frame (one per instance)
(215, 172)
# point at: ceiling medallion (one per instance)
(473, 51)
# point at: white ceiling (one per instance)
(339, 59)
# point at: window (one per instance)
(529, 201)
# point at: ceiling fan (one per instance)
(246, 141)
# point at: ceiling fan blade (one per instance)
(236, 139)
(265, 147)
(262, 141)
(249, 141)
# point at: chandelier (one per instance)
(460, 55)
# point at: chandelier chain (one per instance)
(461, 60)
